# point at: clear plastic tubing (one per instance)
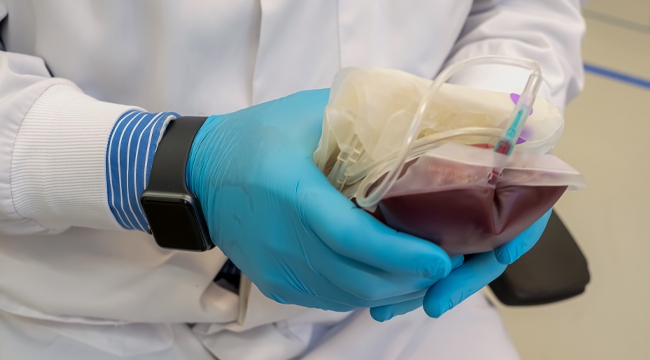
(368, 199)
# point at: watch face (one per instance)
(175, 223)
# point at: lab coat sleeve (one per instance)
(548, 31)
(53, 142)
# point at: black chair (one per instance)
(554, 270)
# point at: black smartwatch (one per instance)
(175, 217)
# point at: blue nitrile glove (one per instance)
(275, 215)
(468, 278)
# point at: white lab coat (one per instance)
(74, 285)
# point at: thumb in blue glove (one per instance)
(275, 215)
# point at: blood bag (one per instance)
(421, 156)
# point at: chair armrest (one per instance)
(553, 270)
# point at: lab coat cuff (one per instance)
(58, 170)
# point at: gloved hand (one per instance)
(469, 278)
(275, 215)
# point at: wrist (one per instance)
(204, 143)
(174, 213)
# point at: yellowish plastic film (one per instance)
(391, 166)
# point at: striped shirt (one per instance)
(131, 149)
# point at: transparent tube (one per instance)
(421, 146)
(367, 199)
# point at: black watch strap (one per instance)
(174, 213)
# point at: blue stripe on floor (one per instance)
(618, 76)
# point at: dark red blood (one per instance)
(469, 221)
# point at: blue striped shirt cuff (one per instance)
(131, 149)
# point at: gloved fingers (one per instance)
(396, 299)
(510, 252)
(355, 234)
(349, 300)
(457, 261)
(313, 289)
(308, 300)
(387, 312)
(367, 283)
(371, 242)
(461, 283)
